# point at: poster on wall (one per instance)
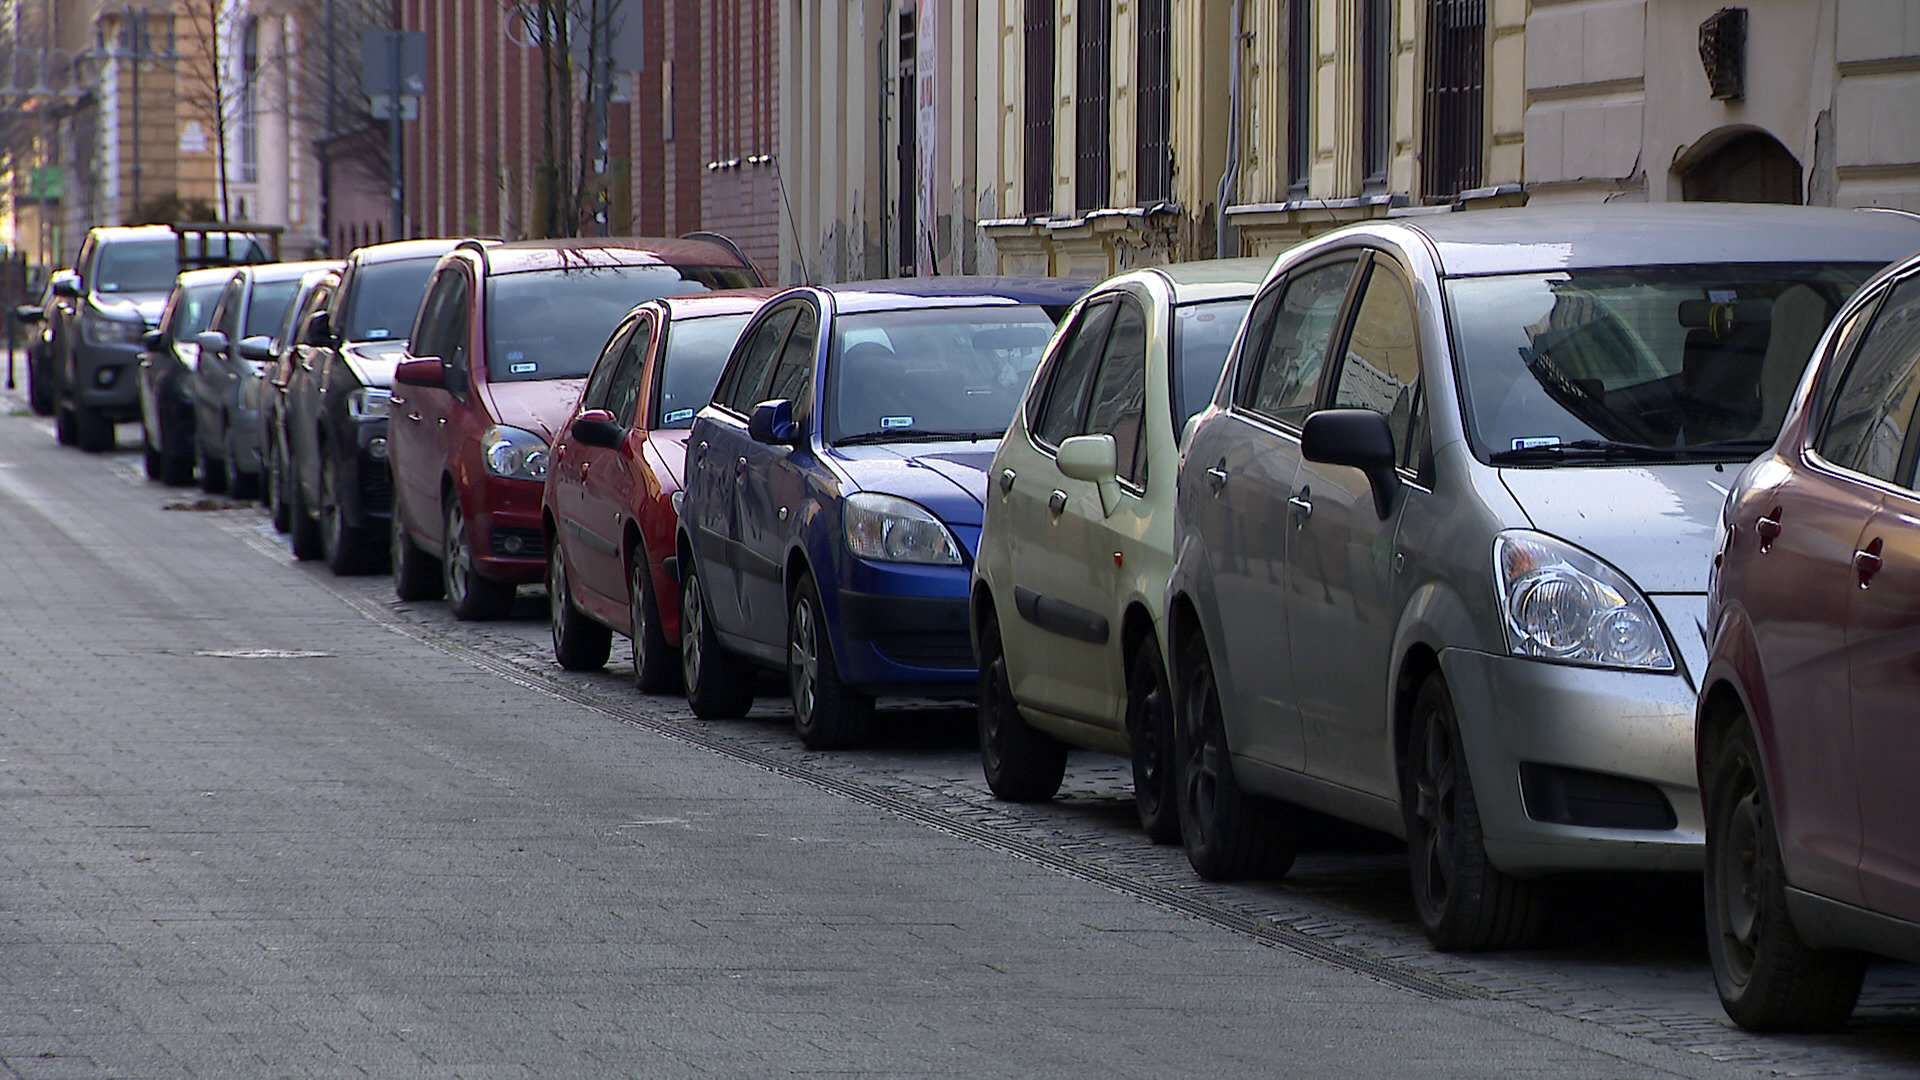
(927, 124)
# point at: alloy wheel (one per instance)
(803, 658)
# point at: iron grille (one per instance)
(1376, 89)
(1093, 107)
(908, 121)
(1039, 107)
(1299, 93)
(1153, 145)
(1723, 52)
(1455, 95)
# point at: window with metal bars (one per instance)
(907, 121)
(1038, 121)
(1455, 96)
(1376, 90)
(1153, 143)
(1093, 104)
(1299, 94)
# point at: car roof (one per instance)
(402, 250)
(525, 255)
(719, 302)
(1544, 238)
(213, 275)
(966, 290)
(286, 271)
(1205, 279)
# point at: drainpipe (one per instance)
(1230, 180)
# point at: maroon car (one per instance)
(1808, 731)
(608, 517)
(504, 338)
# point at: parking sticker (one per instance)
(896, 421)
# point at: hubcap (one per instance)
(1435, 788)
(330, 516)
(1204, 757)
(803, 659)
(993, 711)
(456, 561)
(637, 613)
(1741, 877)
(557, 599)
(693, 623)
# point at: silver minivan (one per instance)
(1442, 538)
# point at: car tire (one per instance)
(579, 643)
(828, 714)
(278, 508)
(473, 598)
(349, 550)
(240, 485)
(66, 430)
(40, 390)
(154, 460)
(416, 574)
(719, 684)
(1156, 795)
(304, 537)
(1229, 834)
(656, 664)
(92, 430)
(1022, 764)
(1462, 900)
(213, 472)
(1768, 978)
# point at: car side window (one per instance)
(1873, 404)
(740, 387)
(595, 395)
(228, 320)
(1380, 369)
(623, 391)
(1062, 406)
(454, 334)
(1119, 400)
(793, 375)
(1282, 382)
(426, 337)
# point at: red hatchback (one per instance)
(503, 341)
(608, 518)
(1808, 733)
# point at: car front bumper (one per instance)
(903, 629)
(1560, 755)
(503, 520)
(106, 378)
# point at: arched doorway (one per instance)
(1743, 165)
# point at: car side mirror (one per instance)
(772, 422)
(211, 341)
(597, 427)
(423, 371)
(258, 347)
(318, 330)
(1359, 438)
(68, 287)
(154, 339)
(30, 313)
(1094, 459)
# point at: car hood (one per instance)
(670, 446)
(130, 306)
(948, 478)
(1656, 523)
(540, 407)
(372, 362)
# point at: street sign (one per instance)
(379, 67)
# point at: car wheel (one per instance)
(304, 537)
(66, 430)
(1463, 900)
(1150, 731)
(40, 397)
(92, 430)
(1229, 833)
(655, 666)
(276, 495)
(719, 685)
(1769, 980)
(213, 472)
(240, 485)
(177, 463)
(579, 643)
(1021, 763)
(828, 714)
(155, 461)
(474, 598)
(348, 550)
(416, 574)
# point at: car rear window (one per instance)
(551, 324)
(697, 351)
(385, 297)
(135, 266)
(267, 309)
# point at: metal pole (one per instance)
(326, 149)
(398, 148)
(602, 77)
(136, 18)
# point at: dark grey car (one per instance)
(166, 375)
(1442, 539)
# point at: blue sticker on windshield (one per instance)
(1538, 440)
(678, 415)
(896, 421)
(378, 334)
(523, 369)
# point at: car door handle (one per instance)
(1867, 562)
(1057, 502)
(1302, 505)
(1006, 481)
(700, 454)
(1769, 529)
(740, 472)
(1217, 476)
(441, 420)
(586, 469)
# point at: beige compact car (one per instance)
(1069, 586)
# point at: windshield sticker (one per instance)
(678, 415)
(1722, 296)
(522, 369)
(1537, 440)
(378, 333)
(896, 421)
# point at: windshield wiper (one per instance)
(913, 435)
(1608, 450)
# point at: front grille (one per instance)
(948, 651)
(376, 487)
(1562, 796)
(518, 544)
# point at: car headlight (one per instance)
(368, 403)
(514, 453)
(1560, 603)
(887, 528)
(101, 330)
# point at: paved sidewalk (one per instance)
(245, 832)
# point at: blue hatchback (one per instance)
(834, 492)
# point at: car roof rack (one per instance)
(204, 245)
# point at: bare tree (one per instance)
(207, 89)
(574, 38)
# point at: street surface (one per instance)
(259, 821)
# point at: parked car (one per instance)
(339, 489)
(607, 513)
(316, 291)
(37, 322)
(1805, 726)
(834, 492)
(166, 375)
(234, 354)
(122, 278)
(1077, 540)
(1441, 539)
(505, 337)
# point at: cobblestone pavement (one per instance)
(1629, 964)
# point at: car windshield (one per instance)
(268, 307)
(385, 297)
(193, 312)
(1202, 337)
(551, 324)
(139, 266)
(929, 373)
(1638, 363)
(696, 353)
